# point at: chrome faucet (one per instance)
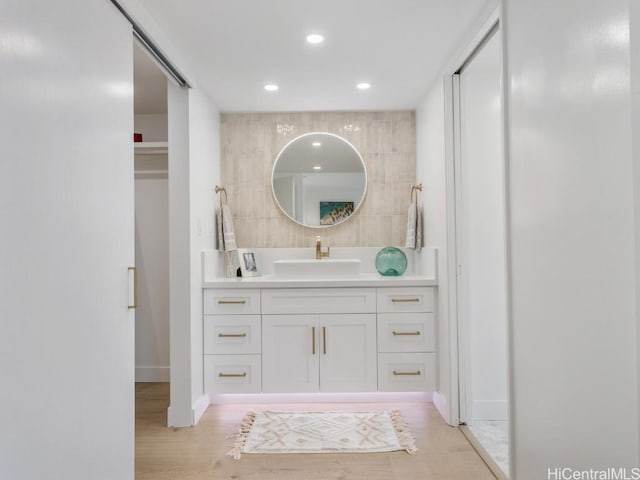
(319, 253)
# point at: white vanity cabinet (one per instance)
(319, 353)
(406, 339)
(306, 340)
(319, 340)
(232, 341)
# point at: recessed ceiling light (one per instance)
(317, 167)
(363, 86)
(315, 38)
(270, 87)
(316, 144)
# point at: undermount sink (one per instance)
(311, 268)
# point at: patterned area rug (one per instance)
(330, 432)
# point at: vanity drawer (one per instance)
(321, 300)
(408, 299)
(231, 301)
(406, 372)
(232, 374)
(406, 332)
(232, 334)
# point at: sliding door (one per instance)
(66, 210)
(481, 252)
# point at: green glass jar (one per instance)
(391, 262)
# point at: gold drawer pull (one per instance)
(405, 300)
(406, 333)
(231, 302)
(229, 375)
(407, 373)
(313, 340)
(324, 340)
(232, 335)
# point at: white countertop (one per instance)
(361, 280)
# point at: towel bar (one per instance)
(223, 190)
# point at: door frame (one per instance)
(458, 354)
(465, 399)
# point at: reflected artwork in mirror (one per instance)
(319, 179)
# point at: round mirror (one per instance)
(319, 179)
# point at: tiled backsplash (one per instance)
(251, 141)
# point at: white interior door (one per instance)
(66, 210)
(480, 215)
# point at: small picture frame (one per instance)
(248, 264)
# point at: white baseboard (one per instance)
(199, 407)
(373, 397)
(152, 374)
(441, 403)
(489, 410)
(197, 410)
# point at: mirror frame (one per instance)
(364, 168)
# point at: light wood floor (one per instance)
(200, 452)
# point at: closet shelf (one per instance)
(150, 148)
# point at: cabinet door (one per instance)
(348, 353)
(290, 353)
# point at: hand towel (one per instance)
(412, 223)
(414, 227)
(419, 227)
(219, 229)
(226, 235)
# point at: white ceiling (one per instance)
(237, 46)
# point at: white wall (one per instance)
(180, 412)
(152, 260)
(574, 319)
(194, 163)
(153, 126)
(204, 174)
(430, 171)
(152, 252)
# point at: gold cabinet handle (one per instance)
(324, 340)
(313, 340)
(230, 375)
(232, 335)
(405, 300)
(405, 333)
(135, 287)
(407, 373)
(231, 302)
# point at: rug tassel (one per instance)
(407, 441)
(241, 436)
